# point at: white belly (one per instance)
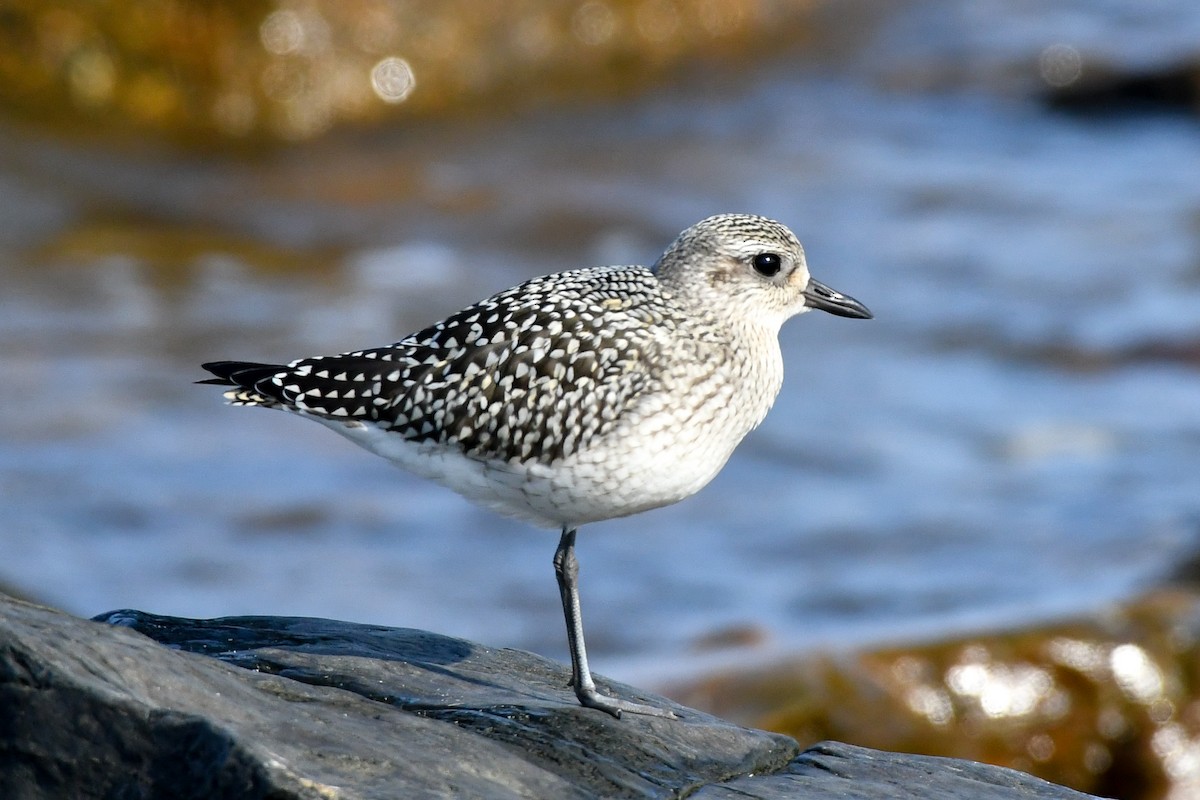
(635, 470)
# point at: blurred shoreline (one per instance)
(230, 74)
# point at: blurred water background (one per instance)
(1014, 438)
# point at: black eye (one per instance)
(767, 264)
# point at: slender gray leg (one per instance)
(566, 570)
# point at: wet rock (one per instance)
(1108, 704)
(845, 772)
(256, 707)
(1098, 90)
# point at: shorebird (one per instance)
(576, 397)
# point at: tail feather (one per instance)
(246, 375)
(239, 373)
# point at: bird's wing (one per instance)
(533, 373)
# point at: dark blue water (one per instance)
(1016, 435)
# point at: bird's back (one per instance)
(533, 373)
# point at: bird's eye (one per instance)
(767, 264)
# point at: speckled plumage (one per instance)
(529, 375)
(580, 396)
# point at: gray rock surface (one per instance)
(271, 707)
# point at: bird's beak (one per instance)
(818, 295)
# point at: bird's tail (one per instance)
(246, 376)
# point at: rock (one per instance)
(207, 72)
(834, 770)
(256, 707)
(1107, 703)
(1103, 91)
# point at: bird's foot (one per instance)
(611, 705)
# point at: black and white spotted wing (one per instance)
(533, 373)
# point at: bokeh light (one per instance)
(393, 80)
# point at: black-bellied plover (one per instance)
(576, 397)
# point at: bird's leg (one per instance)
(566, 570)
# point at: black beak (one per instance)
(818, 295)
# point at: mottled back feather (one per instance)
(533, 373)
